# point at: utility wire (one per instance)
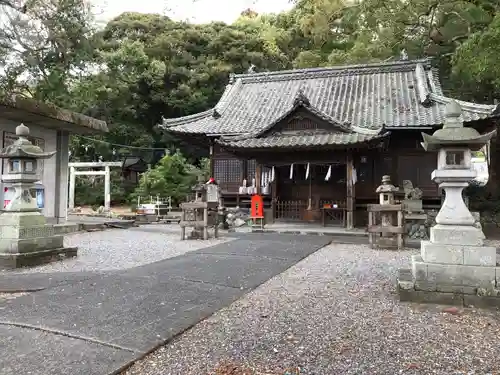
(123, 146)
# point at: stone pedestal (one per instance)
(413, 205)
(26, 240)
(454, 266)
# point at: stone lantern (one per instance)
(454, 263)
(454, 145)
(386, 191)
(22, 170)
(25, 238)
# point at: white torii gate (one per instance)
(107, 179)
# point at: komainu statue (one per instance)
(411, 193)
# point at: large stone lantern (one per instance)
(25, 238)
(454, 145)
(22, 172)
(453, 266)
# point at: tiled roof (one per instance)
(402, 94)
(300, 140)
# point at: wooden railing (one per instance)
(292, 210)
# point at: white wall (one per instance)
(55, 169)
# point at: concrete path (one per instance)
(95, 324)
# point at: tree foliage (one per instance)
(172, 176)
(140, 68)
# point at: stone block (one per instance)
(480, 256)
(15, 232)
(479, 276)
(438, 253)
(449, 288)
(13, 246)
(23, 219)
(12, 261)
(458, 254)
(413, 205)
(446, 274)
(419, 296)
(454, 274)
(481, 301)
(456, 235)
(419, 268)
(425, 285)
(405, 279)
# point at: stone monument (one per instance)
(25, 238)
(454, 266)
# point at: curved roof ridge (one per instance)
(423, 88)
(217, 111)
(171, 122)
(325, 71)
(489, 109)
(228, 94)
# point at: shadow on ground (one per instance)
(97, 323)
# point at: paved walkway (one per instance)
(97, 323)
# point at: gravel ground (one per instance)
(7, 296)
(117, 249)
(336, 312)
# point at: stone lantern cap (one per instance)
(23, 148)
(386, 186)
(453, 133)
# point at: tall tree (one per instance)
(46, 45)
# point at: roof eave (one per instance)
(232, 146)
(25, 110)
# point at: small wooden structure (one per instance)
(386, 236)
(197, 214)
(192, 212)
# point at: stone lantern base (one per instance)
(26, 240)
(453, 268)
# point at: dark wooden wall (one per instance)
(402, 159)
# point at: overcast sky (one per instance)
(198, 11)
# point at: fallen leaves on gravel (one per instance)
(451, 310)
(236, 369)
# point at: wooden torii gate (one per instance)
(107, 179)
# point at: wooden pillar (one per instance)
(350, 190)
(205, 223)
(258, 177)
(274, 193)
(212, 165)
(183, 227)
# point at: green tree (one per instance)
(172, 177)
(45, 46)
